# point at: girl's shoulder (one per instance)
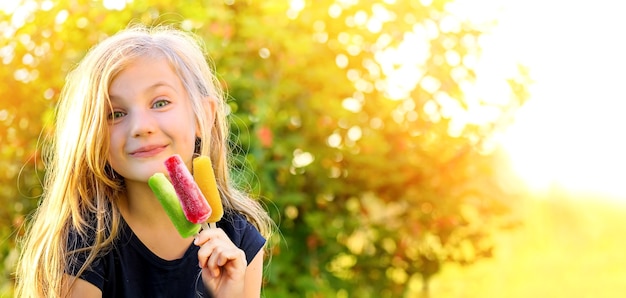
(242, 233)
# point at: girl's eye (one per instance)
(116, 114)
(160, 103)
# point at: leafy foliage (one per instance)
(345, 119)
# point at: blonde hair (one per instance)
(80, 187)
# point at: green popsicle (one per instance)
(164, 191)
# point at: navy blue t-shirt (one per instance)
(130, 269)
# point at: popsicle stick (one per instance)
(204, 225)
(212, 225)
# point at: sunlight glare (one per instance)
(115, 4)
(295, 7)
(401, 65)
(570, 132)
(9, 7)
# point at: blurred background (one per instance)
(405, 148)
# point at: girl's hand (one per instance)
(223, 263)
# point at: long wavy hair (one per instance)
(81, 188)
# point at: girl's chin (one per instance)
(141, 177)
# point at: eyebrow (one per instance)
(150, 88)
(159, 84)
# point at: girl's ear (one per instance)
(210, 104)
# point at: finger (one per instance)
(232, 260)
(213, 260)
(205, 252)
(208, 279)
(208, 234)
(210, 254)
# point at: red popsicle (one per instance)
(194, 205)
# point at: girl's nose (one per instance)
(142, 124)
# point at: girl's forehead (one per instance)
(143, 75)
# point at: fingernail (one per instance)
(195, 240)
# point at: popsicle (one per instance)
(192, 201)
(165, 193)
(205, 178)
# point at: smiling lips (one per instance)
(148, 151)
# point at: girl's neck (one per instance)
(140, 204)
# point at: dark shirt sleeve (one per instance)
(77, 247)
(242, 233)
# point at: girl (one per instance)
(137, 98)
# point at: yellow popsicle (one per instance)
(205, 178)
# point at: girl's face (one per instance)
(151, 120)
